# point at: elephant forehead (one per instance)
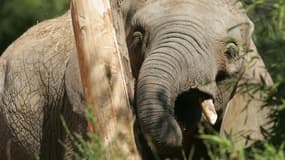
(209, 13)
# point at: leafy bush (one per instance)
(93, 148)
(269, 19)
(223, 148)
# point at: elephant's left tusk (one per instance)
(209, 111)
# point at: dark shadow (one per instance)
(56, 141)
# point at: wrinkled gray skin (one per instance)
(181, 51)
(190, 50)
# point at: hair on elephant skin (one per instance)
(187, 57)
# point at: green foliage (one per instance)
(18, 15)
(90, 148)
(278, 136)
(269, 152)
(269, 19)
(223, 148)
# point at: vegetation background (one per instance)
(16, 16)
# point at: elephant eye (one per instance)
(137, 37)
(232, 50)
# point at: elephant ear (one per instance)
(247, 116)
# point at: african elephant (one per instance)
(183, 53)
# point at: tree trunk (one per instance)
(105, 73)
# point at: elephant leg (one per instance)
(20, 117)
(75, 124)
(52, 133)
(14, 131)
(58, 134)
(9, 148)
(74, 109)
(31, 103)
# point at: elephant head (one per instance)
(184, 54)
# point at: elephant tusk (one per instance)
(209, 110)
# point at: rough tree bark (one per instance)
(105, 74)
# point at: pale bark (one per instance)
(105, 75)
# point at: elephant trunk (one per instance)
(155, 97)
(170, 69)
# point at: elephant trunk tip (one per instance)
(171, 133)
(166, 132)
(168, 139)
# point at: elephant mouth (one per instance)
(193, 106)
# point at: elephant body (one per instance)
(180, 55)
(34, 91)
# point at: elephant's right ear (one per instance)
(246, 118)
(247, 115)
